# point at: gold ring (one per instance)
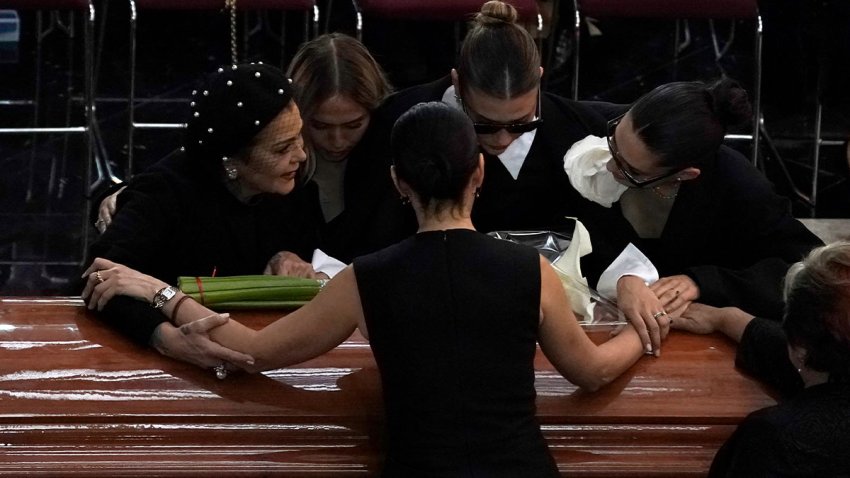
(658, 314)
(98, 277)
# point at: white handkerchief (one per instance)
(585, 165)
(630, 262)
(327, 264)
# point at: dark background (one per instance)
(806, 56)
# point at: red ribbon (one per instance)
(200, 288)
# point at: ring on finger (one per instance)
(220, 372)
(99, 277)
(658, 314)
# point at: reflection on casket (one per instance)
(75, 397)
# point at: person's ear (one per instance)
(455, 82)
(403, 189)
(797, 355)
(478, 174)
(688, 173)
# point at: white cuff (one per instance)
(630, 262)
(327, 264)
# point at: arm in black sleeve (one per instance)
(136, 239)
(763, 353)
(758, 232)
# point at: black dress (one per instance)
(453, 319)
(174, 221)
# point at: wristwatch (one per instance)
(162, 296)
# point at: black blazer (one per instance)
(174, 221)
(537, 199)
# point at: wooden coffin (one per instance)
(76, 398)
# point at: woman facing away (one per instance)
(707, 219)
(807, 357)
(231, 203)
(451, 314)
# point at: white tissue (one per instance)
(585, 166)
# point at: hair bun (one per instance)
(730, 102)
(495, 12)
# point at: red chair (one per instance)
(307, 7)
(56, 21)
(680, 10)
(436, 10)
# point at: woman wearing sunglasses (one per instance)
(522, 132)
(708, 220)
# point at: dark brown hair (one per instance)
(336, 64)
(435, 151)
(684, 122)
(498, 57)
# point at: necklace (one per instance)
(668, 197)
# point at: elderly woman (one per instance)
(706, 218)
(338, 85)
(807, 357)
(231, 204)
(452, 315)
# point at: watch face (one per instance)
(169, 292)
(163, 295)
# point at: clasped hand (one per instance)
(106, 279)
(190, 343)
(652, 309)
(285, 263)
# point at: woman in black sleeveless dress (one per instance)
(453, 318)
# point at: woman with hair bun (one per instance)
(453, 317)
(707, 219)
(522, 131)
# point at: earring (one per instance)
(405, 200)
(477, 192)
(231, 173)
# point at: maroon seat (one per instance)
(439, 10)
(680, 10)
(444, 10)
(45, 4)
(674, 9)
(286, 5)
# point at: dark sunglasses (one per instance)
(511, 128)
(623, 166)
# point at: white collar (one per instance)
(514, 156)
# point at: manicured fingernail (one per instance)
(657, 353)
(648, 348)
(250, 362)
